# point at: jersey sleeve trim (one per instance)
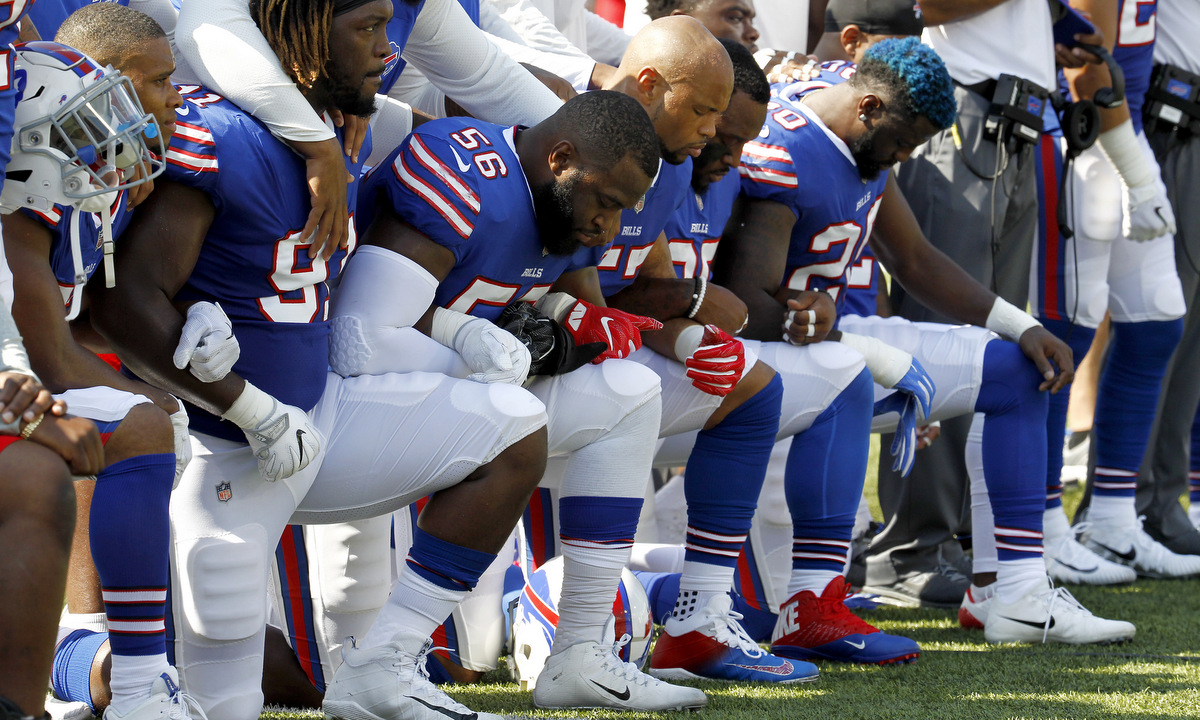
(433, 164)
(427, 192)
(193, 148)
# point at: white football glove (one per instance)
(282, 436)
(207, 346)
(1147, 213)
(183, 445)
(495, 354)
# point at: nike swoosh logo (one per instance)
(452, 714)
(1031, 623)
(1076, 568)
(604, 321)
(860, 645)
(1128, 556)
(623, 695)
(462, 166)
(300, 442)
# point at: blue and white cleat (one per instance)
(712, 645)
(823, 628)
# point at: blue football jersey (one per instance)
(400, 27)
(64, 221)
(1134, 50)
(796, 160)
(47, 15)
(460, 183)
(695, 229)
(10, 15)
(254, 260)
(829, 73)
(862, 286)
(641, 225)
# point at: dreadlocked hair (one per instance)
(298, 31)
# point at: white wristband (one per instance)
(1121, 146)
(886, 364)
(555, 305)
(688, 341)
(250, 409)
(447, 324)
(1007, 321)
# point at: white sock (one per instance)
(1054, 526)
(413, 611)
(1112, 511)
(698, 584)
(814, 581)
(1014, 578)
(590, 579)
(96, 622)
(132, 676)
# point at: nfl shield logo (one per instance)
(224, 492)
(641, 203)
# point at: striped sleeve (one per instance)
(433, 189)
(768, 171)
(192, 154)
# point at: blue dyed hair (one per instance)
(914, 77)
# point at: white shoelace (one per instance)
(1057, 593)
(730, 632)
(184, 706)
(611, 659)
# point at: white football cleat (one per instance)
(973, 613)
(592, 675)
(1050, 614)
(1069, 562)
(166, 701)
(388, 683)
(1132, 547)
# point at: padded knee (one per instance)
(224, 589)
(1009, 378)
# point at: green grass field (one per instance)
(960, 677)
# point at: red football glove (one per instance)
(620, 330)
(718, 363)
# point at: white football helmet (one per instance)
(78, 132)
(536, 616)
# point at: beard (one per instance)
(863, 150)
(705, 165)
(555, 210)
(347, 94)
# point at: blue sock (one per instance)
(1126, 402)
(823, 480)
(1014, 449)
(73, 658)
(129, 540)
(445, 564)
(725, 474)
(1079, 338)
(589, 521)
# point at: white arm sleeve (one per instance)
(575, 69)
(382, 294)
(457, 58)
(605, 42)
(225, 50)
(391, 123)
(532, 25)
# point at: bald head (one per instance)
(680, 49)
(683, 77)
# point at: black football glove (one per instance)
(551, 347)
